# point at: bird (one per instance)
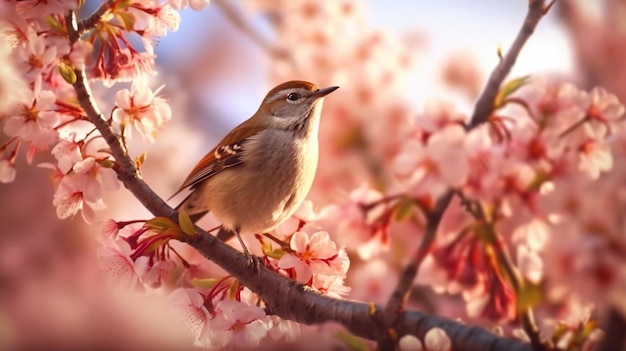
(261, 171)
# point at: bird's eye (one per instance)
(293, 96)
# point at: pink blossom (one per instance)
(35, 118)
(158, 273)
(374, 280)
(123, 65)
(78, 192)
(311, 255)
(67, 152)
(533, 234)
(282, 329)
(12, 84)
(37, 9)
(196, 5)
(595, 157)
(35, 55)
(164, 18)
(237, 324)
(80, 51)
(428, 170)
(109, 228)
(330, 284)
(115, 261)
(603, 106)
(141, 109)
(193, 314)
(357, 227)
(530, 264)
(437, 115)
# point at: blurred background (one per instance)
(217, 67)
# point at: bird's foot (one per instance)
(254, 262)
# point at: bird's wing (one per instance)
(226, 154)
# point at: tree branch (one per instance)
(614, 326)
(396, 301)
(484, 105)
(286, 298)
(238, 20)
(483, 109)
(89, 23)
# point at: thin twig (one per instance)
(483, 109)
(484, 105)
(285, 297)
(239, 21)
(396, 301)
(90, 22)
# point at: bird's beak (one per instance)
(323, 92)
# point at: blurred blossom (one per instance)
(410, 343)
(437, 340)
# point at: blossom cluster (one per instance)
(538, 188)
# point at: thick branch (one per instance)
(286, 298)
(484, 105)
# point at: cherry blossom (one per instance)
(35, 118)
(193, 314)
(38, 9)
(367, 231)
(78, 192)
(142, 109)
(12, 84)
(314, 254)
(428, 170)
(109, 228)
(196, 5)
(35, 55)
(237, 324)
(115, 261)
(68, 153)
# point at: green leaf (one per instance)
(161, 224)
(204, 283)
(106, 163)
(67, 72)
(353, 343)
(233, 289)
(509, 88)
(141, 159)
(186, 224)
(403, 209)
(127, 19)
(528, 296)
(54, 22)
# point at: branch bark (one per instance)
(484, 105)
(90, 22)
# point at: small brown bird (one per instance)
(260, 173)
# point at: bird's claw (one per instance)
(254, 262)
